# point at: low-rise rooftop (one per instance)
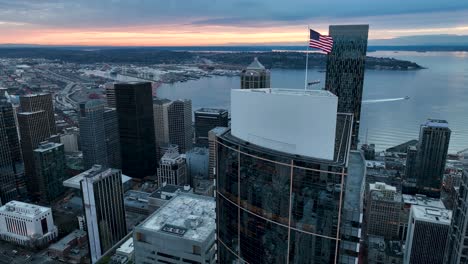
(211, 111)
(23, 209)
(186, 215)
(423, 201)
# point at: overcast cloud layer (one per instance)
(388, 18)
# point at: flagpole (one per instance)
(307, 58)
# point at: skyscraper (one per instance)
(455, 252)
(37, 102)
(427, 235)
(34, 129)
(136, 128)
(434, 138)
(111, 128)
(11, 162)
(279, 186)
(410, 169)
(180, 124)
(110, 94)
(345, 70)
(50, 170)
(212, 135)
(207, 119)
(36, 124)
(161, 124)
(255, 76)
(104, 209)
(92, 133)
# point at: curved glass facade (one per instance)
(274, 207)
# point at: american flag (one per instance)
(319, 41)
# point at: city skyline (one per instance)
(161, 23)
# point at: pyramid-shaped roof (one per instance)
(255, 65)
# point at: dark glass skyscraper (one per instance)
(345, 70)
(207, 119)
(434, 138)
(50, 170)
(37, 102)
(11, 163)
(136, 127)
(273, 205)
(111, 128)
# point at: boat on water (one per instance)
(407, 97)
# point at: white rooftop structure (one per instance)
(126, 249)
(189, 216)
(294, 121)
(23, 209)
(423, 201)
(431, 214)
(74, 182)
(436, 123)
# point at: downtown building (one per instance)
(180, 124)
(50, 166)
(255, 76)
(99, 135)
(172, 169)
(36, 124)
(434, 138)
(134, 106)
(183, 230)
(161, 125)
(384, 204)
(456, 251)
(207, 119)
(281, 184)
(426, 239)
(345, 70)
(11, 161)
(103, 204)
(27, 225)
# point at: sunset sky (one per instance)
(218, 22)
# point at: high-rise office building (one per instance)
(383, 208)
(181, 231)
(456, 252)
(50, 166)
(134, 106)
(426, 240)
(410, 168)
(27, 225)
(111, 128)
(104, 209)
(212, 151)
(69, 139)
(161, 124)
(180, 124)
(434, 138)
(172, 169)
(255, 76)
(345, 70)
(207, 119)
(280, 184)
(34, 129)
(92, 133)
(11, 161)
(38, 102)
(110, 94)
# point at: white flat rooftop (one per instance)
(186, 215)
(286, 91)
(431, 214)
(423, 201)
(127, 247)
(74, 182)
(24, 209)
